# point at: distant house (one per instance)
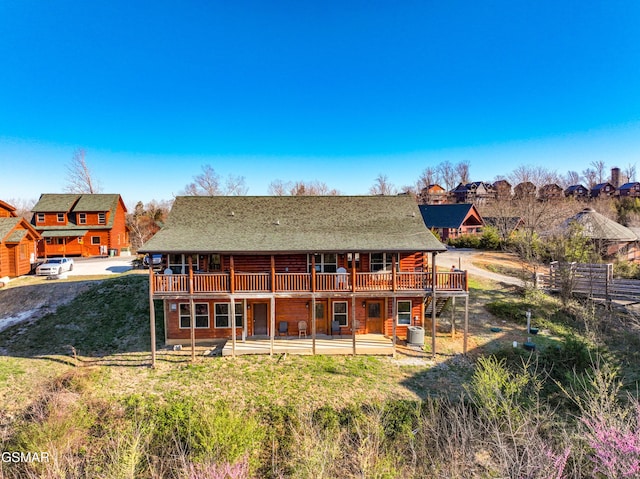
(433, 195)
(81, 225)
(526, 189)
(18, 243)
(631, 190)
(502, 190)
(477, 192)
(576, 191)
(611, 240)
(550, 192)
(452, 221)
(602, 190)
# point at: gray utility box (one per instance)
(415, 335)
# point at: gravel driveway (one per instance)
(96, 266)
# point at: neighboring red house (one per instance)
(81, 225)
(18, 243)
(452, 221)
(342, 264)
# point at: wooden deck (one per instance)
(169, 285)
(370, 344)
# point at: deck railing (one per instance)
(302, 282)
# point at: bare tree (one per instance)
(572, 178)
(537, 175)
(235, 186)
(427, 178)
(462, 170)
(23, 207)
(590, 177)
(447, 172)
(208, 183)
(301, 188)
(146, 220)
(79, 176)
(383, 186)
(630, 172)
(600, 170)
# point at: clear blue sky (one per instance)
(337, 91)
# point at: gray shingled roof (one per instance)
(597, 226)
(6, 225)
(96, 203)
(55, 203)
(281, 224)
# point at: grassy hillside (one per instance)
(500, 413)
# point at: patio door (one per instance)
(260, 318)
(321, 318)
(374, 316)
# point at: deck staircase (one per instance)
(440, 304)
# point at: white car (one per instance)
(54, 266)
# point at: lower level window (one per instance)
(95, 240)
(404, 313)
(222, 315)
(340, 313)
(201, 314)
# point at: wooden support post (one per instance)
(453, 317)
(232, 276)
(433, 304)
(192, 312)
(313, 324)
(273, 273)
(354, 275)
(313, 273)
(394, 276)
(272, 315)
(152, 317)
(353, 322)
(232, 318)
(466, 324)
(394, 314)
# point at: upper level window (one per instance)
(60, 217)
(102, 218)
(350, 258)
(325, 263)
(40, 218)
(82, 218)
(382, 261)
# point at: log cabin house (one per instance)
(255, 267)
(18, 243)
(81, 225)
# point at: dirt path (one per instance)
(464, 259)
(29, 302)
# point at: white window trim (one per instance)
(346, 313)
(236, 316)
(102, 218)
(40, 218)
(82, 218)
(195, 305)
(58, 217)
(404, 313)
(93, 242)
